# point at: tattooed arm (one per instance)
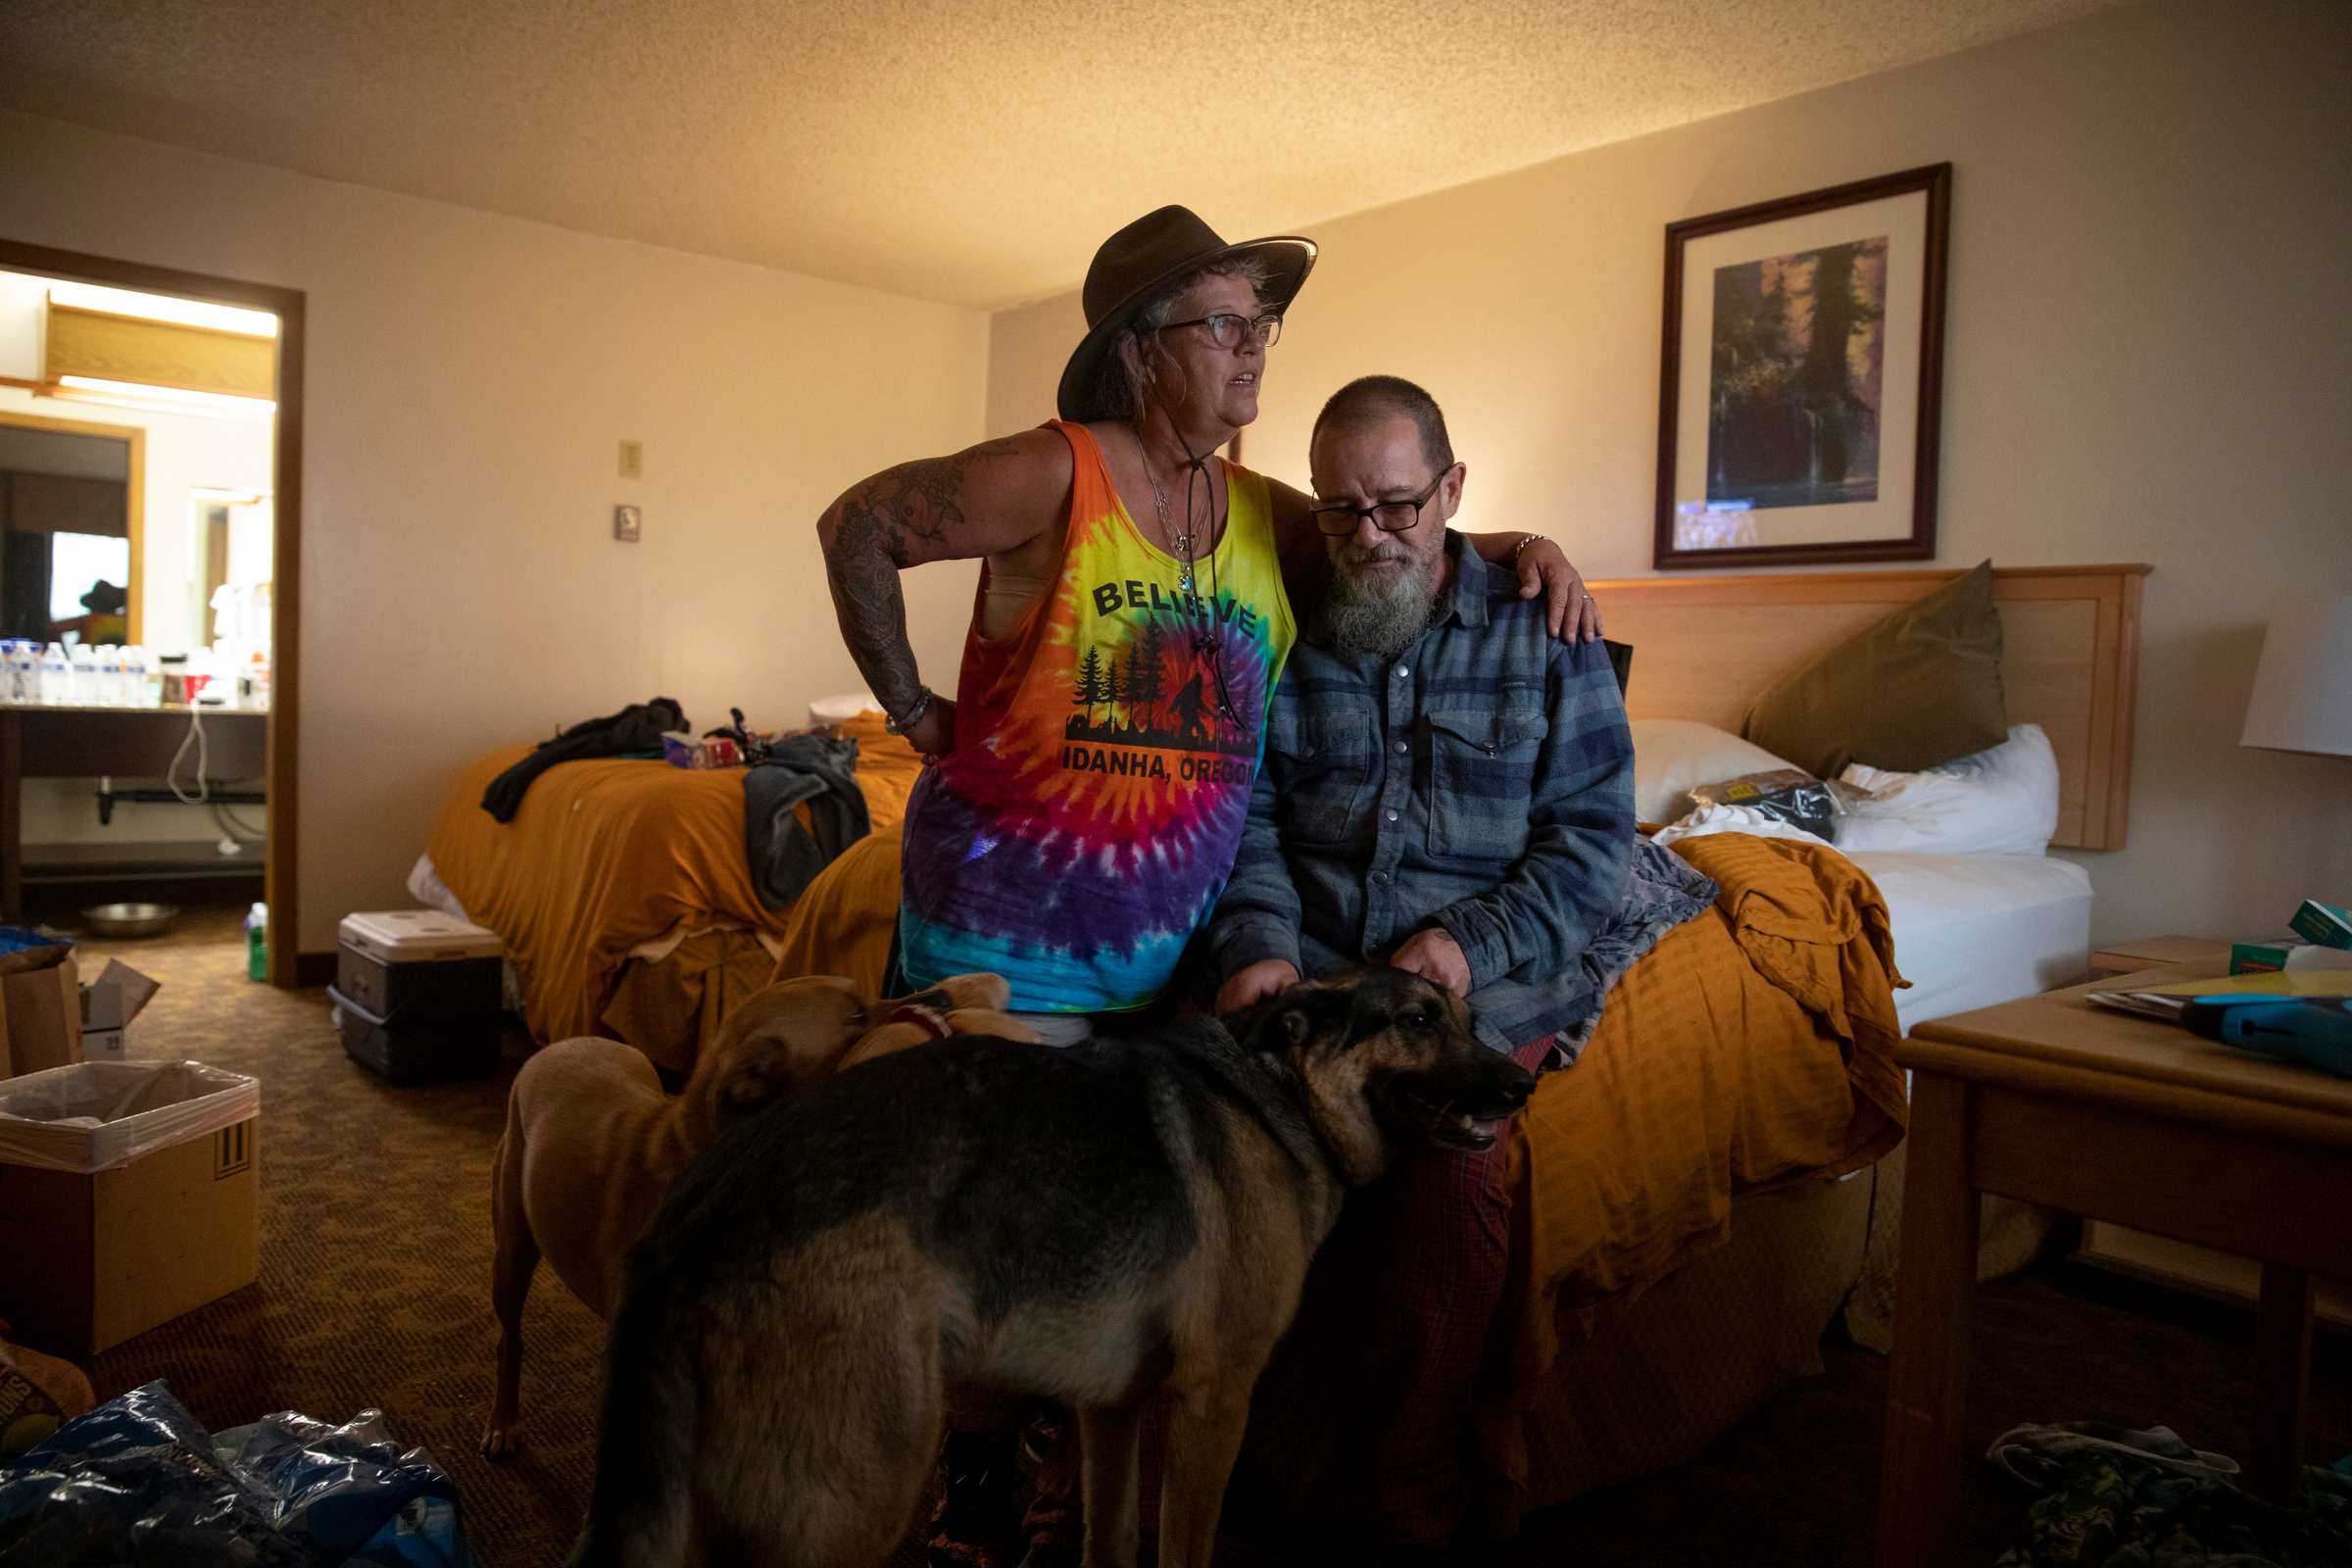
(1574, 616)
(988, 500)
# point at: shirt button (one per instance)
(1402, 748)
(1391, 817)
(1380, 879)
(1402, 672)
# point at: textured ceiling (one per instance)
(970, 151)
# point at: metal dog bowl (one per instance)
(131, 919)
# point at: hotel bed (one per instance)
(622, 892)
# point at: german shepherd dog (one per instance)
(978, 1219)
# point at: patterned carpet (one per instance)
(375, 1262)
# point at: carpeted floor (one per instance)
(374, 1293)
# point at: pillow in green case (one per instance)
(1912, 692)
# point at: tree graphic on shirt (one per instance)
(1092, 689)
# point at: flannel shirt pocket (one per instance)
(1322, 773)
(1482, 773)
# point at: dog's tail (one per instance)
(641, 1510)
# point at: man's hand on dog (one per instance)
(1434, 955)
(1268, 977)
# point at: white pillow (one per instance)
(1998, 802)
(1671, 755)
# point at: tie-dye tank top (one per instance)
(1104, 746)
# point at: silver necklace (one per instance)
(1180, 545)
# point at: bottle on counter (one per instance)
(57, 676)
(83, 689)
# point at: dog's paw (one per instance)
(498, 1443)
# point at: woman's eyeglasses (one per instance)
(1388, 516)
(1225, 332)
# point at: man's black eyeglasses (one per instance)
(1388, 516)
(1226, 330)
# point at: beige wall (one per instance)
(2149, 357)
(469, 376)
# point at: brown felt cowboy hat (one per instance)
(1137, 262)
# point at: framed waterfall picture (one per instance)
(1800, 391)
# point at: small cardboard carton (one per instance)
(2324, 924)
(40, 1004)
(130, 1193)
(107, 1005)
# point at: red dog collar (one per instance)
(930, 1024)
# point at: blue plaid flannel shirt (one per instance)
(1482, 781)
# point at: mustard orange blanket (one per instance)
(610, 852)
(1752, 1049)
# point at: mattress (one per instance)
(1970, 930)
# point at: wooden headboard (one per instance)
(1706, 647)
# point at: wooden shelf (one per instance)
(175, 861)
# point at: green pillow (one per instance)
(1913, 690)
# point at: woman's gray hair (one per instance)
(1123, 386)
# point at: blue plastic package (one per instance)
(349, 1492)
(136, 1481)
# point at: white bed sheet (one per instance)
(1970, 930)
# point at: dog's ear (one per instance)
(772, 1066)
(1296, 1017)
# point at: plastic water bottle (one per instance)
(108, 663)
(17, 686)
(57, 676)
(257, 943)
(84, 692)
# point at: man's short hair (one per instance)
(1373, 400)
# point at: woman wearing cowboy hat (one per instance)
(1093, 771)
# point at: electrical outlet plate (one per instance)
(632, 459)
(626, 521)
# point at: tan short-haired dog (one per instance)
(962, 1004)
(592, 1143)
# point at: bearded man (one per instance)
(1448, 790)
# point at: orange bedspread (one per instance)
(1752, 1049)
(610, 852)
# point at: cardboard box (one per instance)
(2259, 957)
(107, 1005)
(2324, 923)
(92, 1260)
(40, 1009)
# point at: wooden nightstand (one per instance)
(2184, 1265)
(2055, 1101)
(2130, 958)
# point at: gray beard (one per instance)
(1364, 617)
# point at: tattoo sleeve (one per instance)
(883, 525)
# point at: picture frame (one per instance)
(1801, 387)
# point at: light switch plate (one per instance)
(626, 521)
(632, 459)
